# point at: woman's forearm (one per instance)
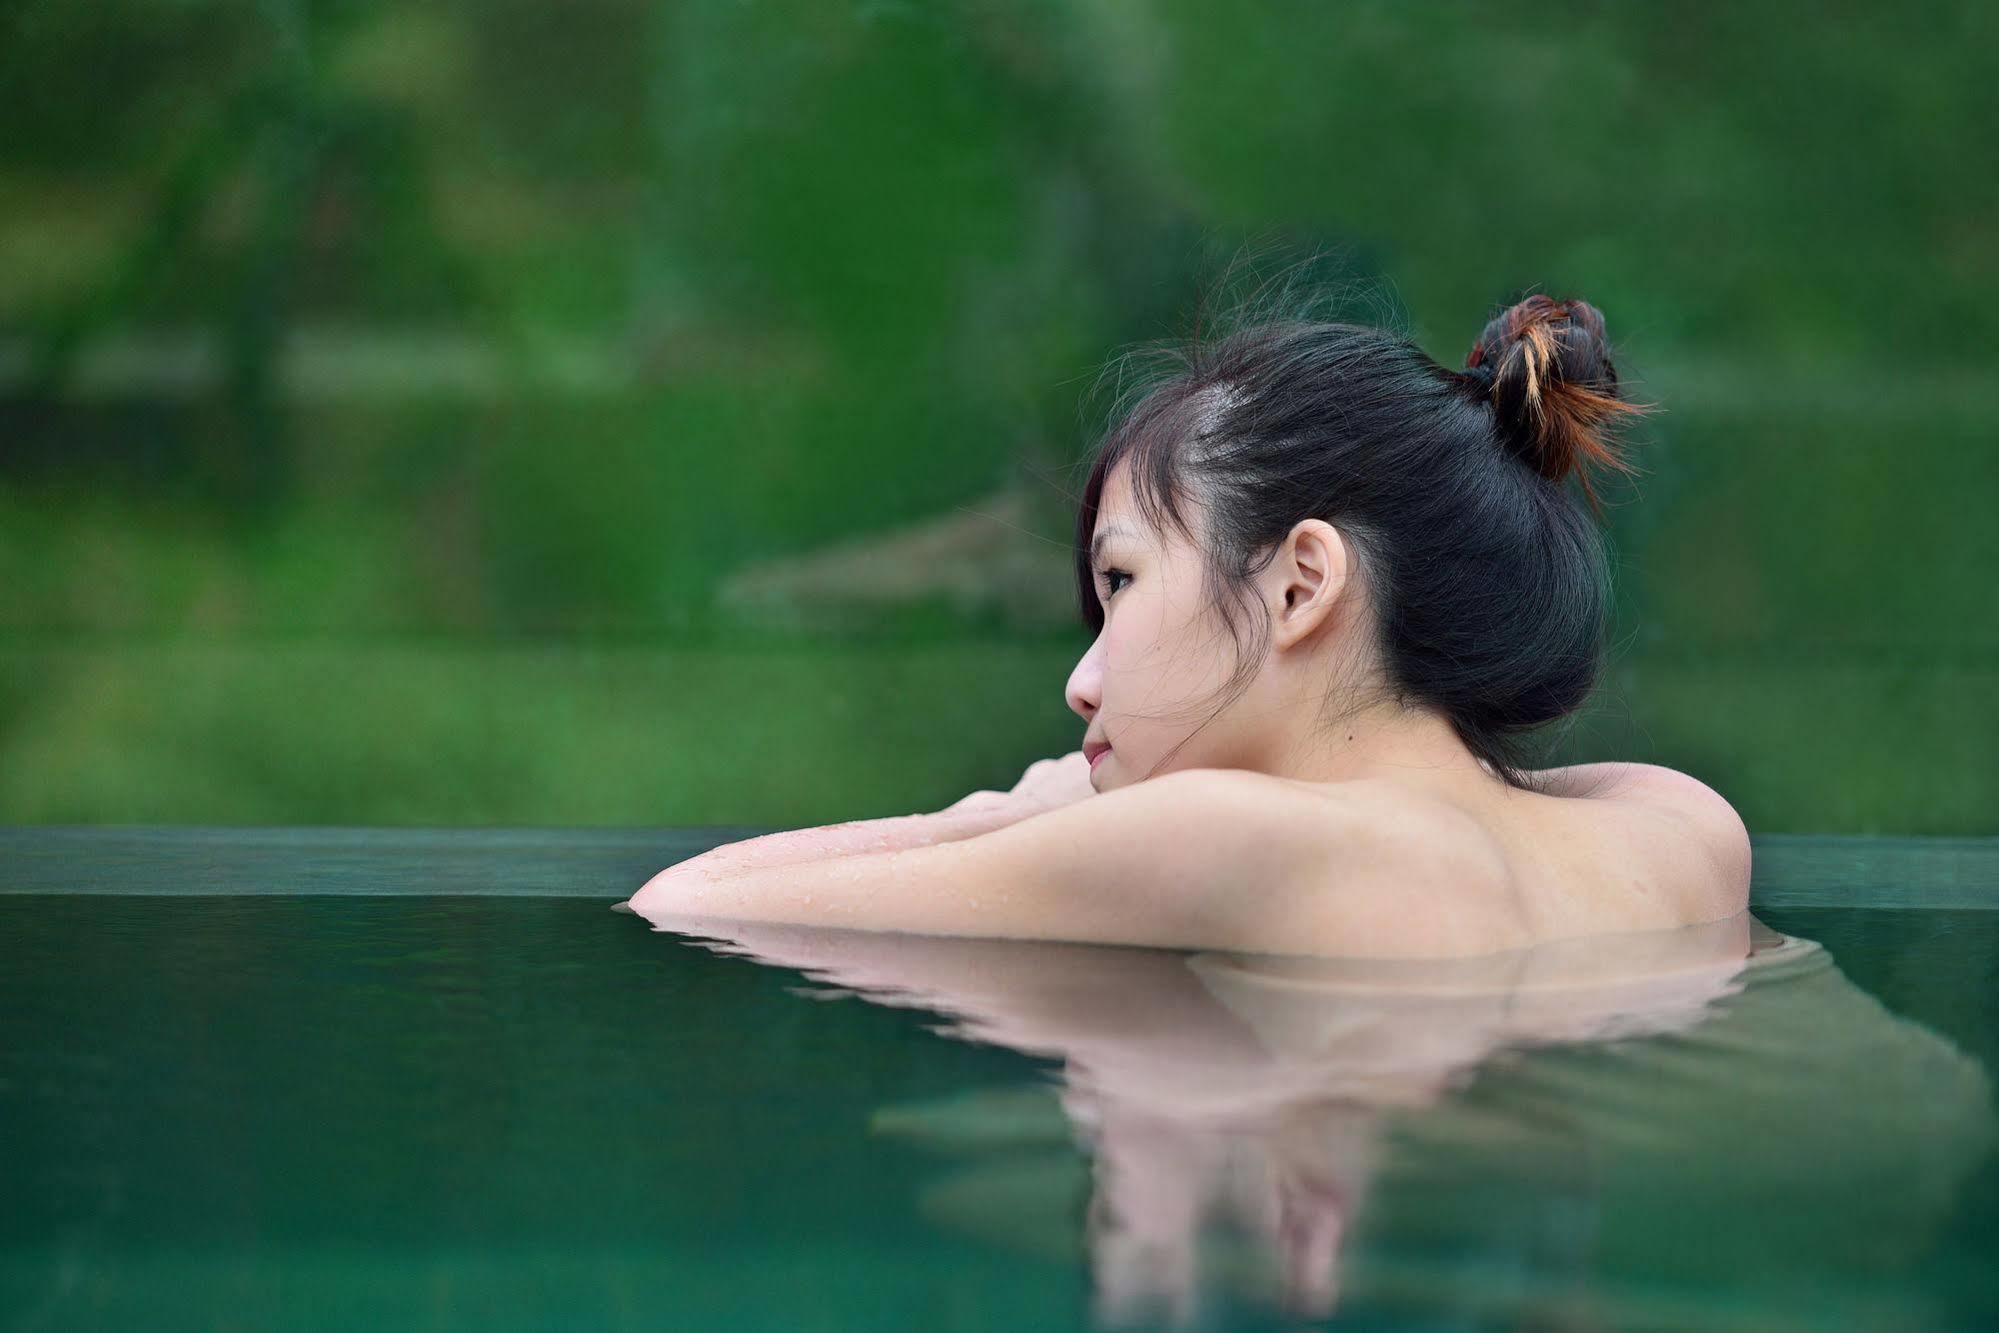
(892, 833)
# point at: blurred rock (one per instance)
(987, 560)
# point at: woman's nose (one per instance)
(1084, 689)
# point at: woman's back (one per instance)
(1600, 847)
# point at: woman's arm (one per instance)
(855, 836)
(1047, 784)
(1192, 859)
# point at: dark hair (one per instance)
(1489, 582)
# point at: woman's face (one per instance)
(1147, 682)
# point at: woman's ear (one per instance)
(1308, 575)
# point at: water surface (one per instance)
(232, 1103)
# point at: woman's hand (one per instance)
(1046, 785)
(1050, 783)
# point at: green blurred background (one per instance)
(627, 413)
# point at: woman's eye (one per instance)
(1111, 588)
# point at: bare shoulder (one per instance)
(1366, 826)
(1405, 822)
(1674, 838)
(1421, 876)
(1356, 867)
(1700, 807)
(1719, 830)
(1635, 782)
(1646, 847)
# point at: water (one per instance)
(274, 1079)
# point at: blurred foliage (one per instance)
(387, 390)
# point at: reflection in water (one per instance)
(1593, 1129)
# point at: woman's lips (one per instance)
(1097, 758)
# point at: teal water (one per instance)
(336, 1079)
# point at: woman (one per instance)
(1333, 584)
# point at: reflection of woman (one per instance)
(1634, 1118)
(1372, 563)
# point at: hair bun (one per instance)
(1544, 366)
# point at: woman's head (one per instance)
(1315, 509)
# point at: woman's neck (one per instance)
(1386, 742)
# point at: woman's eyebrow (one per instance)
(1104, 535)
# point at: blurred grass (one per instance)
(443, 733)
(386, 390)
(791, 732)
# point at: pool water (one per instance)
(310, 1079)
